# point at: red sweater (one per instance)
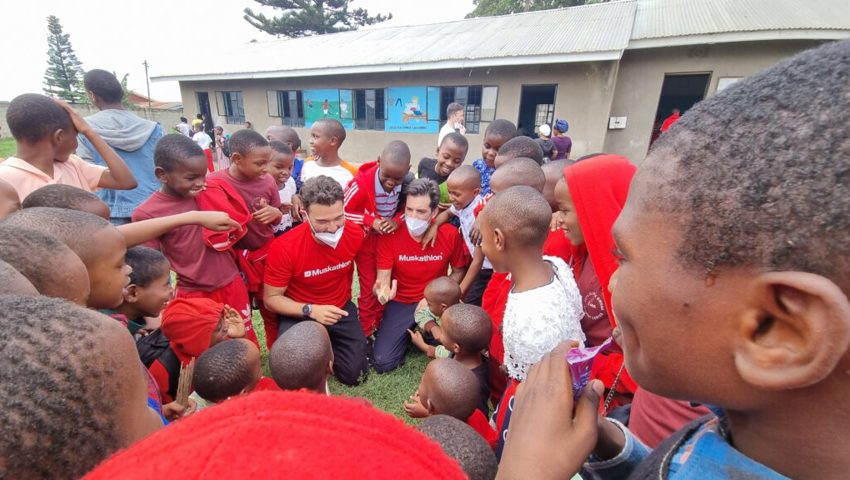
(359, 198)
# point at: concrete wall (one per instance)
(641, 74)
(167, 118)
(584, 95)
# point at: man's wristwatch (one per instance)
(306, 310)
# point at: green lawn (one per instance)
(386, 391)
(7, 147)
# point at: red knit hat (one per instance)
(189, 324)
(283, 435)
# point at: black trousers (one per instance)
(348, 342)
(476, 290)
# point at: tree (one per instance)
(489, 8)
(302, 18)
(64, 75)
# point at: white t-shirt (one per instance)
(537, 320)
(202, 139)
(338, 173)
(184, 129)
(447, 129)
(286, 194)
(467, 219)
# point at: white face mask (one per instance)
(415, 226)
(329, 239)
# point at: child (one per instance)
(149, 290)
(450, 155)
(99, 245)
(303, 358)
(440, 294)
(465, 333)
(71, 389)
(544, 304)
(289, 136)
(463, 443)
(745, 308)
(449, 388)
(205, 142)
(498, 132)
(201, 270)
(326, 137)
(9, 201)
(13, 282)
(36, 255)
(373, 200)
(225, 370)
(520, 146)
(46, 134)
(280, 169)
(548, 148)
(191, 326)
(222, 148)
(65, 196)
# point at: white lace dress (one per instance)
(537, 320)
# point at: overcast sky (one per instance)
(119, 35)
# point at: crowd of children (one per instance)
(718, 268)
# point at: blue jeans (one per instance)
(392, 339)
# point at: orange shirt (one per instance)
(26, 178)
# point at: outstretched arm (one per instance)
(136, 233)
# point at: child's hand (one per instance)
(297, 208)
(416, 339)
(548, 438)
(553, 224)
(79, 122)
(267, 214)
(475, 234)
(233, 322)
(285, 208)
(429, 239)
(414, 408)
(378, 225)
(389, 226)
(217, 221)
(174, 411)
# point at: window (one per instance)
(231, 107)
(545, 114)
(369, 109)
(288, 105)
(479, 104)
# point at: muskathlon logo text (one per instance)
(420, 258)
(322, 271)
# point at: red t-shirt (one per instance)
(311, 271)
(198, 267)
(412, 267)
(252, 191)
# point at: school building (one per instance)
(613, 70)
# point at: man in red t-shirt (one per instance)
(309, 272)
(405, 269)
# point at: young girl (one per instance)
(222, 155)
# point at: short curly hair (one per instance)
(147, 263)
(244, 140)
(58, 398)
(64, 196)
(464, 444)
(32, 117)
(104, 85)
(424, 187)
(469, 326)
(223, 371)
(759, 174)
(453, 389)
(174, 148)
(321, 190)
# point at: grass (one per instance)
(7, 147)
(386, 391)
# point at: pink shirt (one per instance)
(198, 266)
(26, 178)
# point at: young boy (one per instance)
(544, 304)
(440, 294)
(280, 169)
(772, 291)
(201, 270)
(227, 369)
(289, 136)
(465, 334)
(99, 245)
(497, 133)
(149, 290)
(65, 196)
(464, 444)
(303, 358)
(326, 137)
(205, 142)
(46, 134)
(373, 200)
(36, 255)
(9, 201)
(520, 146)
(449, 388)
(12, 282)
(450, 155)
(71, 389)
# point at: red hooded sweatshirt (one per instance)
(360, 197)
(222, 197)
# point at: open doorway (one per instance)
(536, 107)
(204, 109)
(681, 92)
